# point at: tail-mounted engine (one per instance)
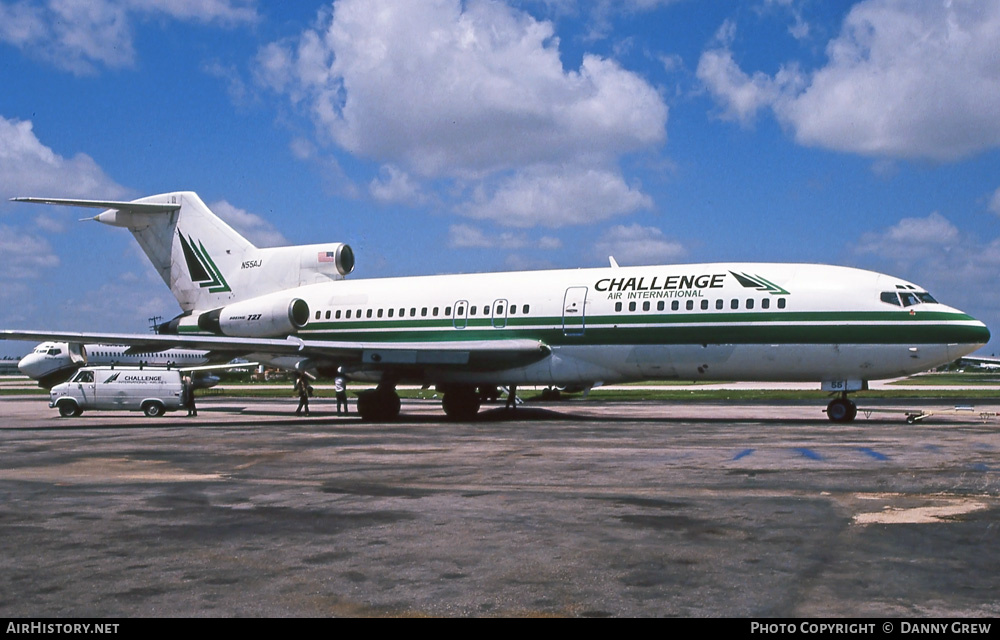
(264, 317)
(301, 265)
(271, 316)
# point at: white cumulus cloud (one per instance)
(25, 255)
(556, 196)
(29, 168)
(250, 225)
(994, 204)
(912, 239)
(902, 79)
(81, 35)
(468, 237)
(465, 91)
(635, 244)
(395, 186)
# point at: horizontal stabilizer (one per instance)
(134, 207)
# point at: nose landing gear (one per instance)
(842, 409)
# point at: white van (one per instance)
(152, 391)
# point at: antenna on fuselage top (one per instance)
(614, 263)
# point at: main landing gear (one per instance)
(460, 402)
(842, 409)
(380, 404)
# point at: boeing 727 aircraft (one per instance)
(292, 307)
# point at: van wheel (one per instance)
(69, 409)
(153, 409)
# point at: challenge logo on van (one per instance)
(134, 378)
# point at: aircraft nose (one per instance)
(978, 333)
(966, 336)
(32, 365)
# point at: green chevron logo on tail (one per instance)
(201, 267)
(761, 284)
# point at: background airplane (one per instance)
(291, 307)
(51, 363)
(984, 363)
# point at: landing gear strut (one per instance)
(842, 409)
(379, 405)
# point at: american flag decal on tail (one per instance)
(327, 256)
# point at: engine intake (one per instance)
(344, 259)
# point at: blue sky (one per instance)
(446, 136)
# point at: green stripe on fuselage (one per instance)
(690, 328)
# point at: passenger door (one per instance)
(499, 311)
(460, 319)
(574, 311)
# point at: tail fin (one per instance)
(203, 260)
(192, 249)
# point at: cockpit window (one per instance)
(890, 297)
(909, 299)
(906, 298)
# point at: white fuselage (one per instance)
(724, 321)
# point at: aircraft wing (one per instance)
(471, 354)
(980, 361)
(219, 367)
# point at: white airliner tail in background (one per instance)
(203, 260)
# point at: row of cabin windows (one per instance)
(434, 312)
(109, 354)
(720, 304)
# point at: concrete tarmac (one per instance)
(576, 508)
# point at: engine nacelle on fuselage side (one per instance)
(268, 316)
(272, 316)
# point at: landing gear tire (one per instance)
(841, 410)
(378, 405)
(461, 404)
(488, 394)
